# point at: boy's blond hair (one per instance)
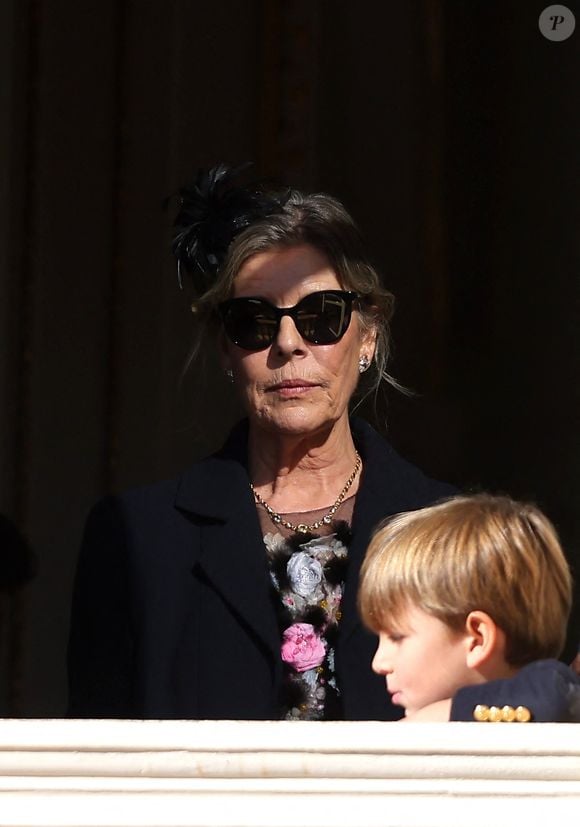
(467, 553)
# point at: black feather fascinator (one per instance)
(213, 210)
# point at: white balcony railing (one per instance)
(243, 774)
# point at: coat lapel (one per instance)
(389, 485)
(373, 503)
(231, 551)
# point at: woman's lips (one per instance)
(292, 387)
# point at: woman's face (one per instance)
(295, 387)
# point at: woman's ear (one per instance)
(369, 343)
(485, 640)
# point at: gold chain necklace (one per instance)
(302, 528)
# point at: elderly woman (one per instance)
(230, 592)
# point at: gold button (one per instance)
(494, 714)
(508, 713)
(481, 712)
(523, 714)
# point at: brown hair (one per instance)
(322, 222)
(480, 552)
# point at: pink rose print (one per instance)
(302, 647)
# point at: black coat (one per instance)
(172, 614)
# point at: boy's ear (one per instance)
(484, 639)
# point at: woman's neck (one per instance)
(302, 472)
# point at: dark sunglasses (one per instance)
(321, 318)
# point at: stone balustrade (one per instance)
(265, 774)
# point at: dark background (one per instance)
(450, 130)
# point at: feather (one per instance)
(213, 211)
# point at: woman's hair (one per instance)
(482, 553)
(293, 219)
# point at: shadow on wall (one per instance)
(17, 567)
(17, 562)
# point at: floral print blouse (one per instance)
(307, 572)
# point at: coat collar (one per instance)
(216, 492)
(390, 485)
(218, 487)
(378, 496)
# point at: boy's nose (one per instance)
(381, 663)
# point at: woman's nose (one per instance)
(288, 339)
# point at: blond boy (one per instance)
(470, 599)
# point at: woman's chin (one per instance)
(293, 421)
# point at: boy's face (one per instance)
(422, 659)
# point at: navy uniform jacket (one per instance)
(547, 689)
(172, 612)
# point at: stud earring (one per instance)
(230, 375)
(364, 363)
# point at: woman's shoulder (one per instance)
(203, 487)
(137, 498)
(140, 521)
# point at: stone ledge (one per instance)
(260, 774)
